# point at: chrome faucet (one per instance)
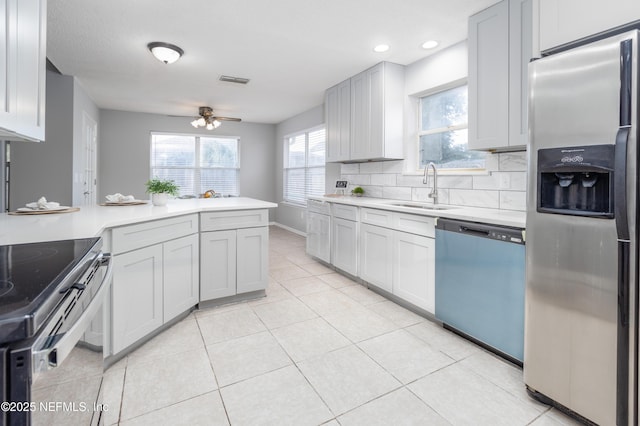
(434, 191)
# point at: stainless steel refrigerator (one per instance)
(582, 213)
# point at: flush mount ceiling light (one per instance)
(165, 52)
(381, 48)
(208, 120)
(429, 44)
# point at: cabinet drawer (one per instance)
(217, 221)
(132, 237)
(415, 224)
(345, 212)
(376, 217)
(319, 207)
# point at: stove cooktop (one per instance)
(31, 276)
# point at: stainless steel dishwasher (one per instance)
(480, 283)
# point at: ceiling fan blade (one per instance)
(227, 119)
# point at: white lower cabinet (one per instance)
(319, 235)
(180, 276)
(399, 255)
(252, 260)
(217, 264)
(376, 252)
(233, 262)
(344, 238)
(154, 280)
(137, 295)
(414, 269)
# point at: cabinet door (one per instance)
(414, 272)
(564, 21)
(338, 121)
(137, 295)
(344, 239)
(180, 275)
(376, 139)
(31, 68)
(360, 115)
(252, 259)
(489, 77)
(8, 10)
(376, 256)
(217, 264)
(521, 50)
(319, 236)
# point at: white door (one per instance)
(414, 272)
(90, 145)
(376, 251)
(252, 259)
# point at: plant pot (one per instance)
(159, 199)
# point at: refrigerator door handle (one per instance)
(620, 184)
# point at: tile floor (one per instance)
(319, 349)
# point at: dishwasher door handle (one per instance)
(474, 231)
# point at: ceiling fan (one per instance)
(208, 120)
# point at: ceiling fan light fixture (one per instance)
(165, 52)
(216, 124)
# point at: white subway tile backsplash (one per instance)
(518, 181)
(393, 166)
(409, 180)
(359, 180)
(513, 200)
(384, 179)
(513, 162)
(350, 169)
(373, 191)
(459, 182)
(504, 187)
(396, 192)
(474, 198)
(372, 167)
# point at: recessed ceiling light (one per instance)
(381, 48)
(165, 52)
(429, 44)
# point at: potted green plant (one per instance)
(160, 189)
(357, 191)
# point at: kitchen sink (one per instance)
(424, 206)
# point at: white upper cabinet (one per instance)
(564, 21)
(365, 122)
(23, 62)
(338, 121)
(501, 44)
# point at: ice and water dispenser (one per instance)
(576, 180)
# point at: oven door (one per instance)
(27, 362)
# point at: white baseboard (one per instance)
(295, 231)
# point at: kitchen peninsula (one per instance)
(166, 260)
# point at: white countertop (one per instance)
(516, 219)
(91, 221)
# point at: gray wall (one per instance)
(45, 168)
(125, 142)
(289, 215)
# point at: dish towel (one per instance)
(43, 204)
(119, 198)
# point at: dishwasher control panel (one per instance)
(482, 230)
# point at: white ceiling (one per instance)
(292, 50)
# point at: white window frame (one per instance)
(285, 144)
(197, 169)
(419, 132)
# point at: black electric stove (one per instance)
(34, 278)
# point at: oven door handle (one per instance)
(52, 357)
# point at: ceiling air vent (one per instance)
(237, 80)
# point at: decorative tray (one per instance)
(22, 211)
